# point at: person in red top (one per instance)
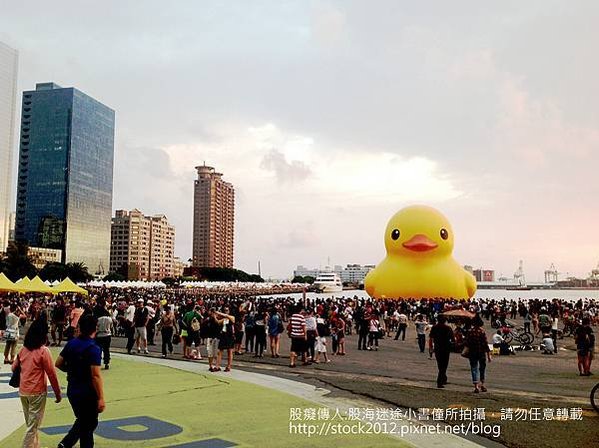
(36, 368)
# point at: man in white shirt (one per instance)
(129, 328)
(402, 320)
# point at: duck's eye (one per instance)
(395, 234)
(444, 234)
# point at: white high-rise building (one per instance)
(8, 97)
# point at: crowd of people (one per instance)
(228, 325)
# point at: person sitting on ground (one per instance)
(547, 346)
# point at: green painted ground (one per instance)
(204, 405)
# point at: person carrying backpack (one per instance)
(191, 325)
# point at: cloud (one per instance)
(285, 171)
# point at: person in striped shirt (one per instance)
(298, 336)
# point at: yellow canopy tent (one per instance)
(23, 282)
(37, 285)
(67, 285)
(7, 285)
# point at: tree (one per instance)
(78, 272)
(54, 271)
(299, 279)
(114, 277)
(226, 275)
(17, 263)
(170, 281)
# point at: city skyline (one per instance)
(337, 124)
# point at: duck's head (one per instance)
(419, 231)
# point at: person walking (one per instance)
(11, 334)
(212, 331)
(260, 333)
(478, 352)
(323, 330)
(58, 319)
(374, 328)
(250, 334)
(585, 346)
(167, 329)
(440, 341)
(402, 321)
(311, 335)
(226, 340)
(37, 367)
(421, 325)
(554, 329)
(275, 328)
(140, 321)
(191, 328)
(527, 321)
(298, 335)
(127, 323)
(81, 359)
(362, 328)
(104, 335)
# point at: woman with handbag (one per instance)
(477, 351)
(11, 334)
(33, 367)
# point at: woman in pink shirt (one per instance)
(36, 368)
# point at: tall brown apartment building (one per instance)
(145, 243)
(213, 219)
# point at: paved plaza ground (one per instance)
(398, 375)
(154, 405)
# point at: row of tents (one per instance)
(125, 284)
(37, 285)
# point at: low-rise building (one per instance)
(40, 256)
(142, 247)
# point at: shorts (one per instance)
(239, 337)
(298, 345)
(212, 346)
(321, 344)
(193, 337)
(226, 342)
(141, 332)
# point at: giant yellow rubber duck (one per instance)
(419, 262)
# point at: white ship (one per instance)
(328, 282)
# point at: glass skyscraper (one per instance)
(64, 193)
(8, 99)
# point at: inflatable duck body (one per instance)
(419, 264)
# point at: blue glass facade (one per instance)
(64, 196)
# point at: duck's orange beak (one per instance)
(420, 243)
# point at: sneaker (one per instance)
(146, 352)
(227, 369)
(138, 350)
(164, 356)
(106, 367)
